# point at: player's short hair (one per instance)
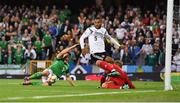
(109, 59)
(118, 62)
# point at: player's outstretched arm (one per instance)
(116, 43)
(69, 79)
(66, 50)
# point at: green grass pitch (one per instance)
(86, 91)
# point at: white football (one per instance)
(52, 79)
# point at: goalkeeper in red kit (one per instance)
(115, 77)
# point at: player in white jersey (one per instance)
(96, 35)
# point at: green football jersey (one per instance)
(3, 44)
(47, 40)
(0, 56)
(59, 67)
(18, 57)
(10, 59)
(38, 45)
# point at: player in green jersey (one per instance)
(59, 67)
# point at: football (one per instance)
(52, 78)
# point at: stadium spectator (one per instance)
(176, 61)
(30, 53)
(84, 59)
(120, 33)
(3, 44)
(87, 24)
(38, 48)
(140, 41)
(156, 48)
(161, 60)
(64, 28)
(81, 19)
(75, 30)
(9, 57)
(147, 47)
(133, 51)
(47, 44)
(116, 54)
(12, 42)
(2, 29)
(11, 31)
(26, 39)
(146, 19)
(18, 55)
(141, 58)
(152, 60)
(126, 59)
(75, 55)
(64, 14)
(139, 32)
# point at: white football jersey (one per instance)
(95, 39)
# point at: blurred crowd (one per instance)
(34, 33)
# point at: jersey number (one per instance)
(95, 38)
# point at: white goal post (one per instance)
(169, 26)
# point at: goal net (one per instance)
(38, 65)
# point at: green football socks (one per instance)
(36, 75)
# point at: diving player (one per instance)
(59, 67)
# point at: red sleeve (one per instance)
(106, 66)
(119, 69)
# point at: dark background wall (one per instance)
(75, 5)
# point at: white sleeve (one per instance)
(34, 53)
(116, 43)
(25, 53)
(83, 37)
(106, 34)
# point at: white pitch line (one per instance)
(49, 91)
(9, 83)
(77, 95)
